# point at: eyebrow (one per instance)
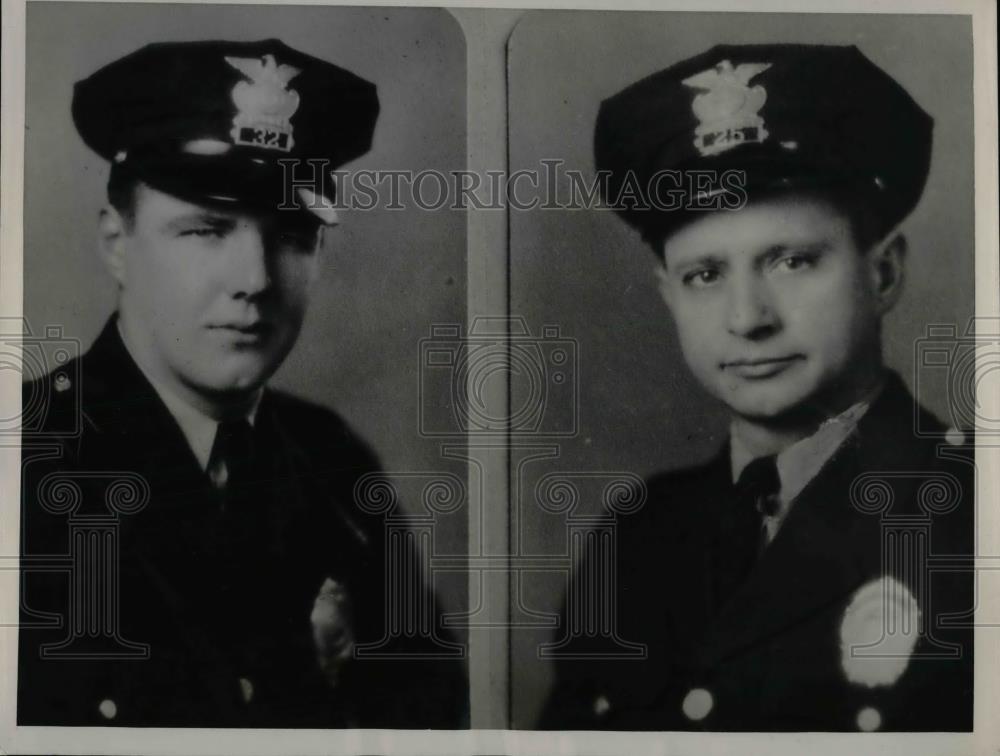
(709, 258)
(199, 218)
(772, 250)
(718, 259)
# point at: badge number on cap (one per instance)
(727, 107)
(264, 104)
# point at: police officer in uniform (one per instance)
(236, 576)
(787, 584)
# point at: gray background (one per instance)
(588, 273)
(385, 276)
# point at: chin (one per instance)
(759, 408)
(238, 379)
(765, 401)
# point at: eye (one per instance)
(796, 262)
(701, 278)
(204, 232)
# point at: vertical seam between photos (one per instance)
(509, 435)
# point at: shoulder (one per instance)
(688, 479)
(52, 404)
(319, 429)
(678, 503)
(54, 420)
(907, 441)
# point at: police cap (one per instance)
(787, 116)
(210, 121)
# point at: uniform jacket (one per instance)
(221, 598)
(776, 655)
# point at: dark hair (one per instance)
(868, 223)
(122, 188)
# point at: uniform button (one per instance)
(601, 705)
(697, 704)
(108, 708)
(246, 688)
(63, 383)
(869, 719)
(955, 437)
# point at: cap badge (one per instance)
(727, 107)
(264, 104)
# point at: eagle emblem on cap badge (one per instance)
(727, 107)
(264, 104)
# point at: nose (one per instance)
(248, 272)
(751, 311)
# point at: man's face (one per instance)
(777, 310)
(212, 300)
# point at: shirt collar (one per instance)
(801, 462)
(198, 428)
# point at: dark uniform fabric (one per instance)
(770, 657)
(220, 586)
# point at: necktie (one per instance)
(753, 497)
(235, 537)
(233, 452)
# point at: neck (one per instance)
(216, 405)
(772, 435)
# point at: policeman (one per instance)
(238, 575)
(786, 583)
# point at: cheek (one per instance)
(828, 312)
(701, 335)
(168, 281)
(294, 275)
(700, 321)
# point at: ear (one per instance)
(322, 237)
(663, 283)
(111, 242)
(887, 260)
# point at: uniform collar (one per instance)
(799, 463)
(198, 428)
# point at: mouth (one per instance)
(247, 331)
(760, 369)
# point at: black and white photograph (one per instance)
(787, 207)
(499, 378)
(233, 358)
